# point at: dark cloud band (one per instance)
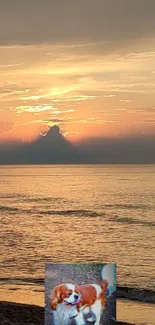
(37, 21)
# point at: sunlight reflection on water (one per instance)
(78, 213)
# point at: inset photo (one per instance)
(81, 294)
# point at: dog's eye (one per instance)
(69, 294)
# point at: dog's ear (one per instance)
(53, 303)
(56, 296)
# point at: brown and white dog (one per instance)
(69, 301)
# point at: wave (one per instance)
(26, 198)
(129, 220)
(12, 196)
(44, 199)
(4, 208)
(88, 213)
(23, 281)
(80, 212)
(40, 199)
(143, 295)
(129, 206)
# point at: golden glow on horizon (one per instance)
(85, 93)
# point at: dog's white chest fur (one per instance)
(64, 314)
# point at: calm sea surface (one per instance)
(96, 213)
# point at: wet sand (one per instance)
(127, 310)
(135, 312)
(21, 314)
(13, 312)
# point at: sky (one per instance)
(87, 66)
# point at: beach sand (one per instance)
(21, 314)
(127, 311)
(135, 312)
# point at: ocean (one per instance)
(76, 213)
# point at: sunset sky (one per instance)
(87, 66)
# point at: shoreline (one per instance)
(141, 295)
(23, 314)
(123, 292)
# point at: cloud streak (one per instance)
(34, 109)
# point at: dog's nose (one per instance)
(76, 296)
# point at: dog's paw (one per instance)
(91, 319)
(81, 322)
